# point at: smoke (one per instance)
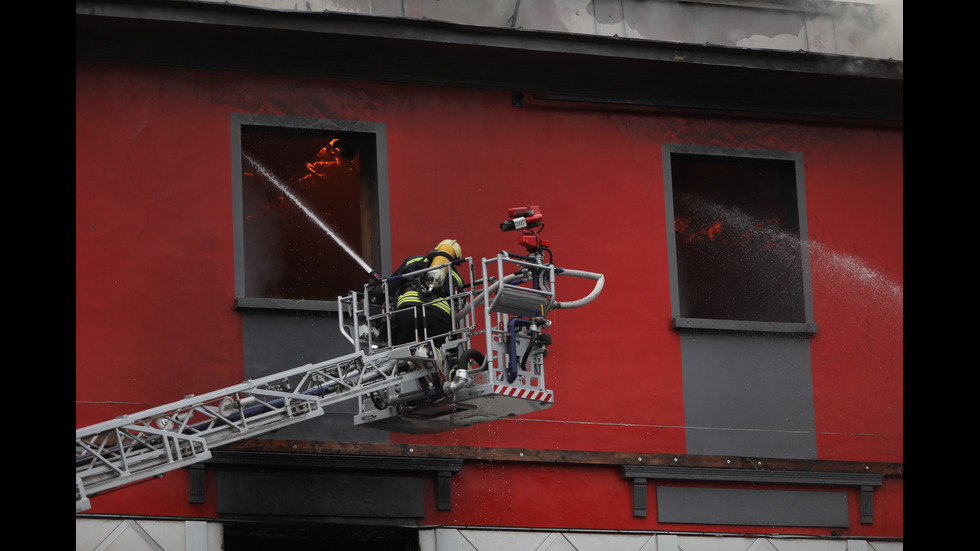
(869, 28)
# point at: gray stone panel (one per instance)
(738, 507)
(748, 395)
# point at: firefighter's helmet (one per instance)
(450, 246)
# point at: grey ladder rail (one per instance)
(155, 441)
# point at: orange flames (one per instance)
(683, 227)
(329, 157)
(713, 231)
(328, 160)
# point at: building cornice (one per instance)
(396, 49)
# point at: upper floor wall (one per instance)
(865, 28)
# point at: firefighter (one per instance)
(421, 301)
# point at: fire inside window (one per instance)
(736, 226)
(305, 219)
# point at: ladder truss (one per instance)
(146, 444)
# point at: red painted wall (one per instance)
(155, 318)
(597, 498)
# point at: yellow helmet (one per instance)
(450, 246)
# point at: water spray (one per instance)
(310, 214)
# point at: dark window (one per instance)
(736, 225)
(311, 202)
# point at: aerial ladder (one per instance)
(415, 387)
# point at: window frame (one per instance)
(806, 327)
(379, 204)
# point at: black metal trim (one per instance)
(361, 462)
(443, 468)
(196, 483)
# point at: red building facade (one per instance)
(654, 407)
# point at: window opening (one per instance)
(310, 204)
(738, 253)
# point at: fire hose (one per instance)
(598, 278)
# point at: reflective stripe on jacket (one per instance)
(412, 297)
